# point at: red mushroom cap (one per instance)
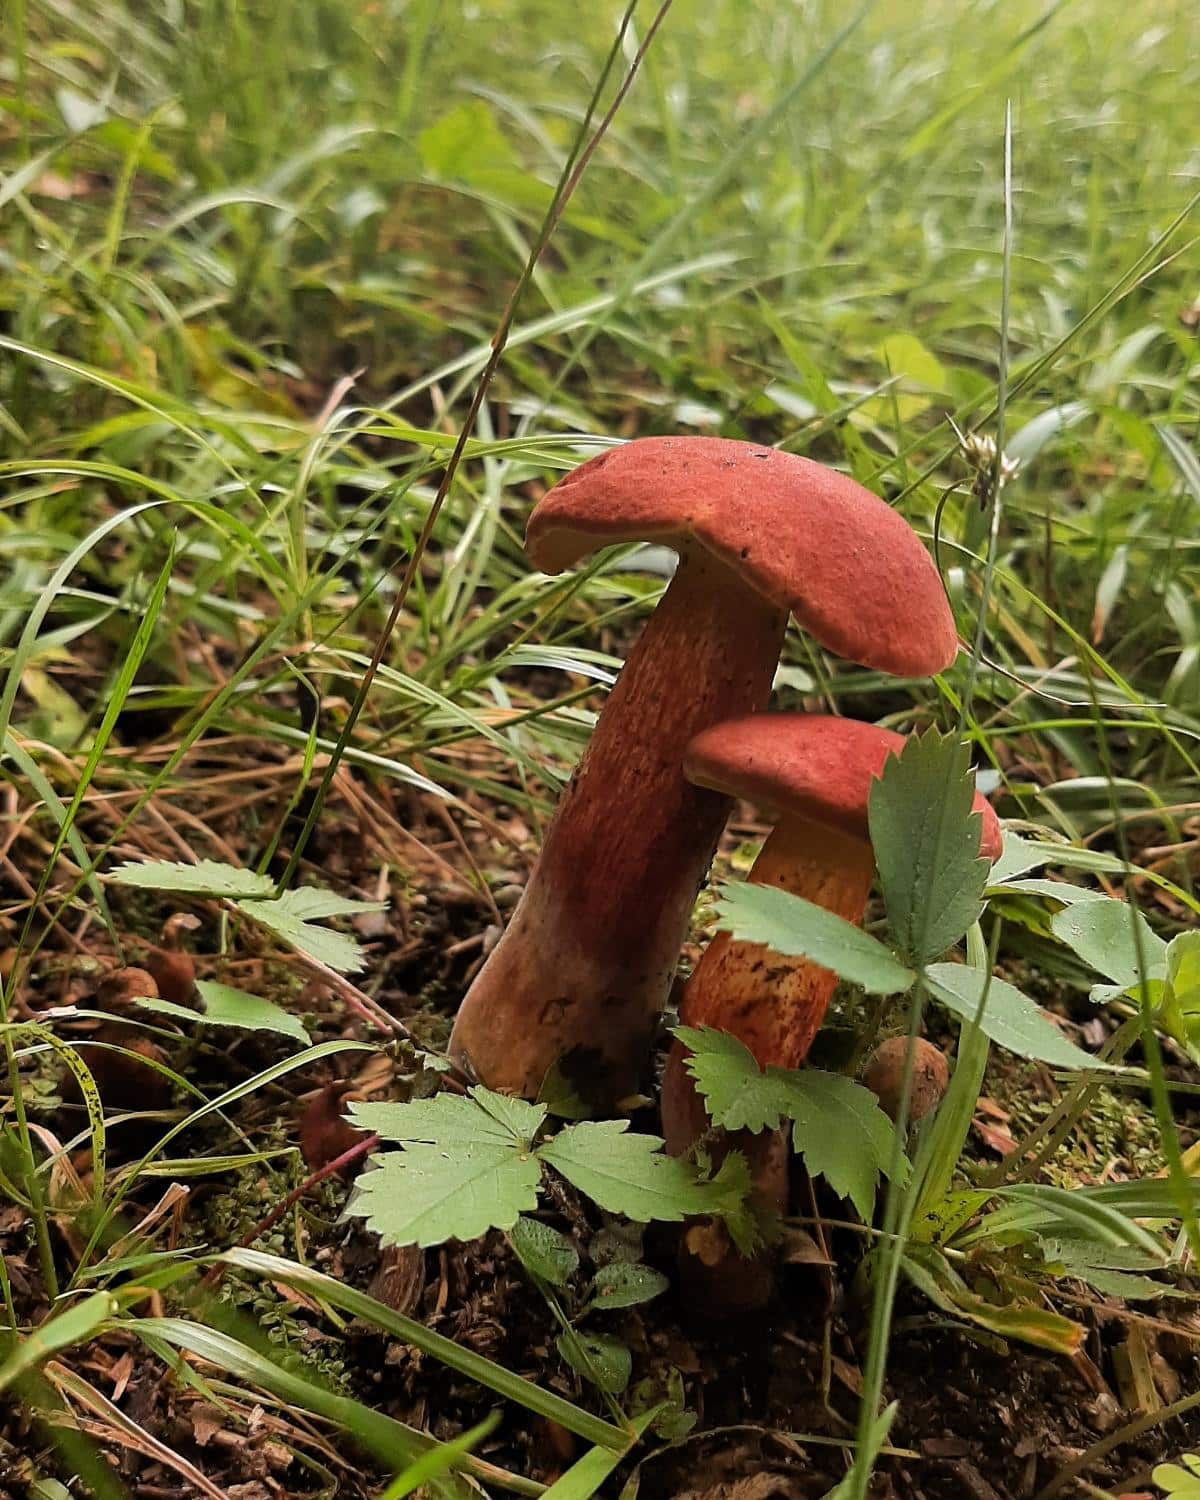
(851, 569)
(812, 765)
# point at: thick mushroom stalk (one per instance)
(815, 775)
(584, 967)
(772, 1003)
(587, 961)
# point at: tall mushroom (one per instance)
(587, 960)
(813, 774)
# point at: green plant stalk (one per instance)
(899, 1215)
(942, 1146)
(33, 1185)
(6, 1292)
(116, 702)
(997, 476)
(899, 1208)
(569, 1331)
(1176, 1171)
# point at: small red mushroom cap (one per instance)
(851, 569)
(809, 765)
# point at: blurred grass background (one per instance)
(254, 254)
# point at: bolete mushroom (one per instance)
(813, 774)
(928, 1076)
(587, 960)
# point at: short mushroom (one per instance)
(814, 775)
(928, 1076)
(587, 960)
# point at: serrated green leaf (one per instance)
(790, 925)
(309, 903)
(226, 1006)
(626, 1173)
(543, 1251)
(291, 917)
(1011, 1019)
(603, 1360)
(1105, 934)
(450, 1120)
(518, 1116)
(926, 842)
(842, 1134)
(623, 1285)
(208, 877)
(424, 1195)
(737, 1094)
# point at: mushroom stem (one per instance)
(586, 963)
(774, 1005)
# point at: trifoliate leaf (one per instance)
(292, 918)
(926, 842)
(626, 1173)
(621, 1285)
(208, 877)
(424, 1195)
(452, 1120)
(737, 1094)
(793, 926)
(1011, 1019)
(543, 1251)
(226, 1006)
(603, 1360)
(1106, 934)
(842, 1134)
